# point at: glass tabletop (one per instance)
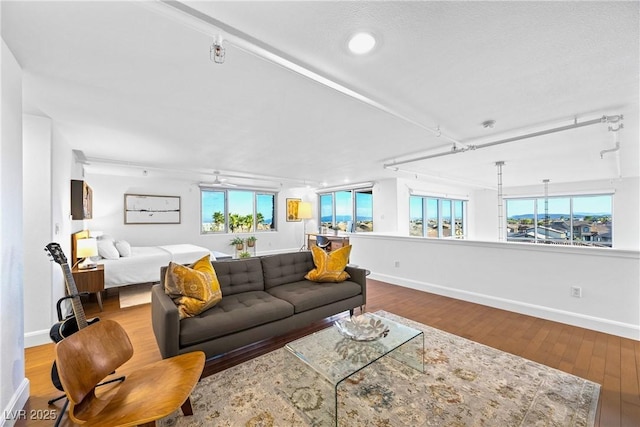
(337, 357)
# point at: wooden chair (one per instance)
(85, 358)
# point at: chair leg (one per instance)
(61, 413)
(186, 407)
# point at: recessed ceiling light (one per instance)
(361, 43)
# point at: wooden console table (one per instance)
(336, 242)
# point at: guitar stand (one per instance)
(66, 403)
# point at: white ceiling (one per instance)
(126, 83)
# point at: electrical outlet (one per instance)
(576, 291)
(396, 264)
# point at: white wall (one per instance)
(14, 387)
(108, 215)
(47, 172)
(37, 228)
(525, 278)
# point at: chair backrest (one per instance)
(88, 356)
(322, 241)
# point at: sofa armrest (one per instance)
(165, 322)
(359, 275)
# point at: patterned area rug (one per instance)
(464, 384)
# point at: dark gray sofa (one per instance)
(262, 297)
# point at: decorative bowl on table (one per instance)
(362, 328)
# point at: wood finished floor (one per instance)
(609, 360)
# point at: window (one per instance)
(237, 211)
(566, 220)
(349, 210)
(437, 217)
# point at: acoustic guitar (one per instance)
(73, 323)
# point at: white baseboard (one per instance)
(14, 410)
(33, 339)
(608, 326)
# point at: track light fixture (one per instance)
(217, 51)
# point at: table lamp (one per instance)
(86, 248)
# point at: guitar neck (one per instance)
(78, 311)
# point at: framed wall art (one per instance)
(147, 209)
(292, 210)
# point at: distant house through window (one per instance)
(236, 211)
(348, 210)
(437, 217)
(566, 220)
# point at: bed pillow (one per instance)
(124, 248)
(193, 289)
(107, 249)
(329, 266)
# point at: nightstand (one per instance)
(91, 280)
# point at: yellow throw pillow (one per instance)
(194, 289)
(329, 266)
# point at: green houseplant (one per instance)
(244, 254)
(238, 242)
(251, 241)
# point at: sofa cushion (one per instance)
(329, 266)
(305, 295)
(234, 313)
(193, 289)
(286, 268)
(240, 275)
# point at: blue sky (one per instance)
(561, 205)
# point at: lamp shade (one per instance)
(304, 210)
(87, 248)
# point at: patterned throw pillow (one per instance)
(194, 289)
(329, 266)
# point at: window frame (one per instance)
(427, 202)
(255, 194)
(572, 230)
(354, 207)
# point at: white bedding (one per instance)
(144, 264)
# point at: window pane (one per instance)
(520, 220)
(432, 218)
(553, 220)
(326, 210)
(212, 205)
(344, 208)
(364, 211)
(446, 218)
(458, 212)
(592, 220)
(415, 216)
(265, 212)
(240, 211)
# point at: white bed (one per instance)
(144, 262)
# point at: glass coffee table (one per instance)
(316, 365)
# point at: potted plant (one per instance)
(251, 241)
(238, 243)
(244, 254)
(335, 229)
